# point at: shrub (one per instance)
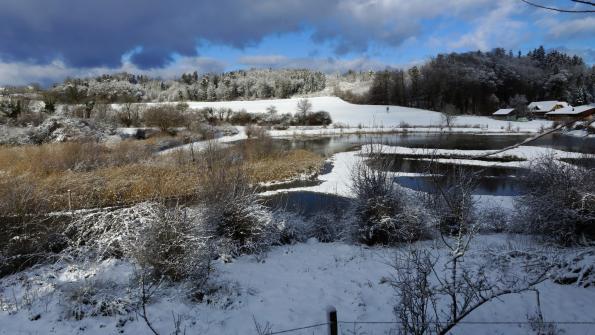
(129, 114)
(31, 118)
(449, 115)
(27, 241)
(166, 242)
(381, 214)
(232, 208)
(254, 131)
(164, 117)
(558, 204)
(174, 245)
(494, 219)
(241, 118)
(93, 297)
(326, 227)
(320, 118)
(451, 202)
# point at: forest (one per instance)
(233, 85)
(481, 82)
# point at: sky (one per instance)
(45, 41)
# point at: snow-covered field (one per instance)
(291, 287)
(377, 118)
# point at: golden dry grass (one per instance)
(283, 166)
(37, 178)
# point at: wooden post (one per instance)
(70, 201)
(333, 326)
(192, 151)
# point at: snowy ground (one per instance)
(201, 145)
(291, 287)
(523, 156)
(376, 117)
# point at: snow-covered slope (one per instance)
(292, 287)
(372, 116)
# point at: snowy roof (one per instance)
(503, 111)
(546, 105)
(572, 110)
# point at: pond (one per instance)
(306, 203)
(499, 181)
(333, 144)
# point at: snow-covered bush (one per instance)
(174, 245)
(451, 202)
(254, 131)
(382, 215)
(493, 219)
(91, 298)
(233, 210)
(327, 227)
(165, 242)
(294, 228)
(578, 270)
(559, 202)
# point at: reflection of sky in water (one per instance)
(333, 144)
(486, 186)
(304, 202)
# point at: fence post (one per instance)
(70, 201)
(333, 326)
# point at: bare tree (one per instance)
(304, 107)
(590, 4)
(129, 113)
(423, 287)
(164, 117)
(449, 115)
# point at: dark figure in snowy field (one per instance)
(387, 109)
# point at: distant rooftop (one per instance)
(503, 111)
(569, 110)
(545, 106)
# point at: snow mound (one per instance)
(63, 129)
(579, 271)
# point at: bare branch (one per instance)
(561, 9)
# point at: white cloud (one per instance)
(498, 28)
(584, 26)
(22, 73)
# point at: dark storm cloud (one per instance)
(97, 33)
(92, 33)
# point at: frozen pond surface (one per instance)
(304, 197)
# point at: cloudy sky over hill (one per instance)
(45, 41)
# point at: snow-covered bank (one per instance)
(521, 152)
(522, 156)
(336, 181)
(291, 287)
(201, 145)
(377, 117)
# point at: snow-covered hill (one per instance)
(373, 116)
